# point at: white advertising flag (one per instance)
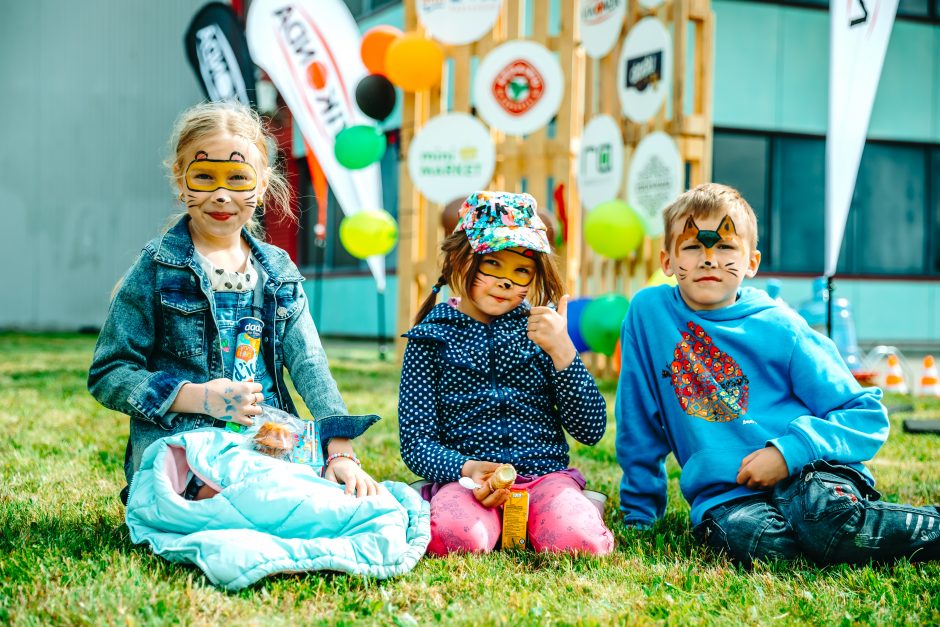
(858, 38)
(310, 50)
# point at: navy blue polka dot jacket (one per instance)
(486, 391)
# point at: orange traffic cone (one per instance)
(894, 378)
(929, 380)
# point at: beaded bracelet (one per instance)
(351, 456)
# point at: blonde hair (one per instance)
(706, 201)
(459, 266)
(208, 118)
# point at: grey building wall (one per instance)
(88, 94)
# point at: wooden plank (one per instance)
(590, 88)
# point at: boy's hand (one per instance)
(762, 469)
(548, 328)
(480, 472)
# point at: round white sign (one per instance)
(644, 75)
(451, 156)
(458, 22)
(518, 87)
(601, 21)
(600, 162)
(656, 176)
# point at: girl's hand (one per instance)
(548, 328)
(349, 473)
(232, 401)
(221, 398)
(481, 472)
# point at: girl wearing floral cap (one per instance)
(491, 378)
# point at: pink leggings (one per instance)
(561, 519)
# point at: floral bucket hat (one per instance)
(494, 221)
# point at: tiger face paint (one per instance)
(710, 260)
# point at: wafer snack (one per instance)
(503, 477)
(274, 439)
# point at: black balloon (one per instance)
(376, 96)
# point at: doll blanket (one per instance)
(270, 516)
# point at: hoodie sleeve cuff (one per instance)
(796, 452)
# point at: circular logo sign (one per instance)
(644, 74)
(518, 87)
(655, 178)
(458, 22)
(601, 21)
(600, 162)
(452, 155)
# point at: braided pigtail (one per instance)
(431, 300)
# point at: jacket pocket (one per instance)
(184, 322)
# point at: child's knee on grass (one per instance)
(563, 519)
(459, 524)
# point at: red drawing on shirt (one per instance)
(707, 381)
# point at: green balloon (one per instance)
(368, 233)
(359, 146)
(613, 229)
(601, 321)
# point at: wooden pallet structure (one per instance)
(538, 163)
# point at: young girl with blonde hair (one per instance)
(165, 354)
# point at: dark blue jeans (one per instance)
(827, 513)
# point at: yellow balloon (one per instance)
(414, 63)
(368, 233)
(660, 278)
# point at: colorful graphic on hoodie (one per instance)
(707, 381)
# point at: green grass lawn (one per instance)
(65, 555)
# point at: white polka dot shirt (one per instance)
(485, 391)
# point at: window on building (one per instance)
(741, 161)
(914, 8)
(894, 222)
(918, 10)
(798, 215)
(933, 213)
(888, 233)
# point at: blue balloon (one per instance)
(575, 309)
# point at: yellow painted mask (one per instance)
(207, 175)
(505, 268)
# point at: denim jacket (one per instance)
(486, 391)
(160, 333)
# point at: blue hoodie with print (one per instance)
(713, 386)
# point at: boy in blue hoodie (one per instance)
(760, 411)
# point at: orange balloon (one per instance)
(375, 45)
(616, 359)
(414, 63)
